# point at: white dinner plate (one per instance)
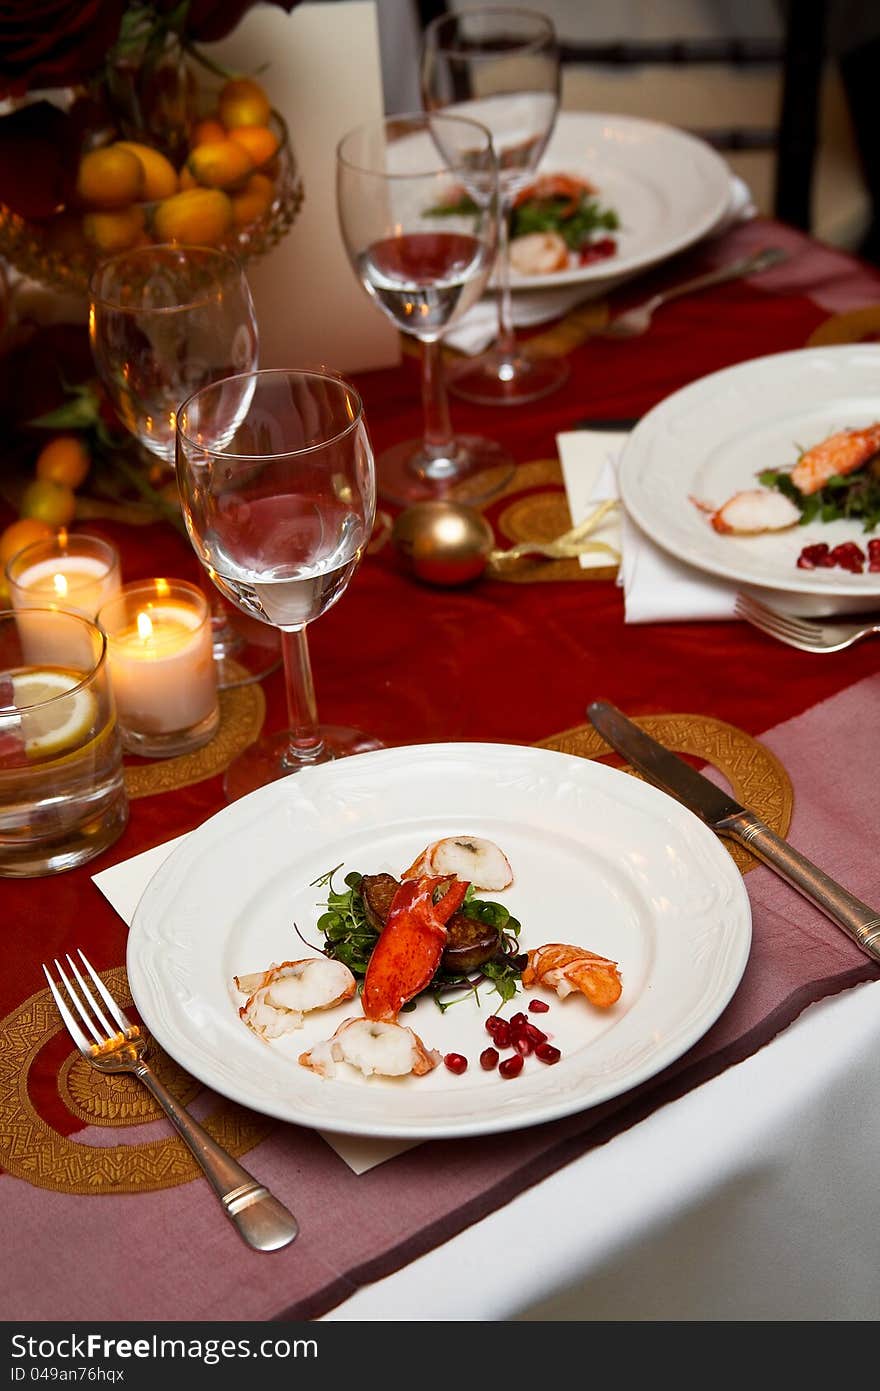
(711, 440)
(600, 859)
(668, 188)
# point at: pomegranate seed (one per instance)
(874, 556)
(493, 1023)
(532, 1032)
(512, 1066)
(517, 1020)
(456, 1063)
(813, 556)
(489, 1059)
(538, 1006)
(503, 1035)
(849, 556)
(523, 1044)
(597, 250)
(547, 1053)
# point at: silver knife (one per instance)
(727, 818)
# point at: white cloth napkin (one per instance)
(123, 884)
(657, 588)
(479, 327)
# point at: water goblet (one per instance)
(500, 66)
(425, 266)
(163, 321)
(277, 480)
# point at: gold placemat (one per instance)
(534, 507)
(756, 776)
(242, 711)
(855, 326)
(33, 1150)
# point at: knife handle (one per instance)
(857, 920)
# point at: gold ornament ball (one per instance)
(443, 543)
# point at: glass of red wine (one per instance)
(424, 255)
(499, 65)
(275, 472)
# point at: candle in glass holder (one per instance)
(77, 573)
(162, 666)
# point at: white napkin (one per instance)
(657, 588)
(123, 884)
(479, 327)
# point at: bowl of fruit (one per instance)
(224, 176)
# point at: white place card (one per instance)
(320, 68)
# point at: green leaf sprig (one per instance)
(847, 497)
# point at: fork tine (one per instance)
(772, 621)
(108, 999)
(79, 1006)
(73, 1028)
(99, 1013)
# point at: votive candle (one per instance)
(162, 666)
(78, 573)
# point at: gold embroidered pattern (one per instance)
(756, 776)
(856, 326)
(32, 1150)
(538, 510)
(242, 711)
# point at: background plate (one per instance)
(600, 859)
(712, 438)
(668, 187)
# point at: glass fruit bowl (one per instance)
(246, 209)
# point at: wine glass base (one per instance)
(478, 470)
(261, 763)
(494, 379)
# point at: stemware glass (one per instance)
(424, 266)
(276, 475)
(500, 66)
(164, 320)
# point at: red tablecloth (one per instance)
(494, 661)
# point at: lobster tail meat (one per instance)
(410, 945)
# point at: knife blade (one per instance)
(726, 817)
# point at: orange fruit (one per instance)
(243, 103)
(48, 502)
(17, 535)
(114, 231)
(198, 216)
(224, 164)
(160, 176)
(253, 200)
(109, 177)
(208, 132)
(64, 459)
(260, 142)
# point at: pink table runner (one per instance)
(191, 1265)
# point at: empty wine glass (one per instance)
(276, 475)
(500, 66)
(164, 320)
(425, 265)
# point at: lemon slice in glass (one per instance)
(51, 725)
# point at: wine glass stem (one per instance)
(439, 442)
(505, 346)
(305, 744)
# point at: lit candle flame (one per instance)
(59, 583)
(144, 626)
(163, 588)
(62, 537)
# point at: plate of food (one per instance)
(439, 940)
(768, 474)
(612, 196)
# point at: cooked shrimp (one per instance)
(565, 968)
(548, 186)
(751, 512)
(278, 998)
(471, 858)
(373, 1047)
(841, 453)
(538, 253)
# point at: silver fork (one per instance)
(807, 634)
(263, 1222)
(638, 319)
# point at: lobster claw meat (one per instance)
(410, 945)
